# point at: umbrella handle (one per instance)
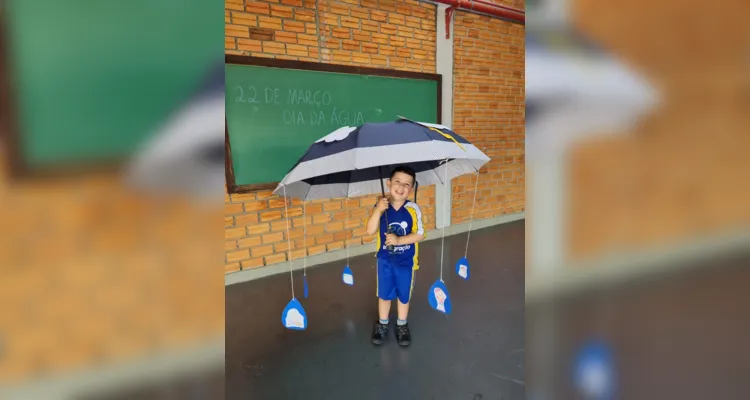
(382, 188)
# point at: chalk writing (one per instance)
(273, 96)
(309, 97)
(334, 118)
(323, 113)
(252, 95)
(346, 118)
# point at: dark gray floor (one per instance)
(475, 353)
(680, 335)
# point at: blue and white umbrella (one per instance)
(354, 161)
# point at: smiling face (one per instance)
(400, 186)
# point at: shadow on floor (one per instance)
(477, 352)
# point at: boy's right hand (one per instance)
(382, 205)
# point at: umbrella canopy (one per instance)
(353, 161)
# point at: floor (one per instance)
(680, 335)
(476, 352)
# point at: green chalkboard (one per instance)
(93, 79)
(275, 109)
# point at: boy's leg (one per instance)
(403, 311)
(404, 289)
(384, 309)
(386, 291)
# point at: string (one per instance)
(289, 242)
(304, 222)
(445, 218)
(471, 219)
(347, 251)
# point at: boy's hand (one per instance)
(391, 239)
(382, 205)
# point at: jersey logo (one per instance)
(399, 227)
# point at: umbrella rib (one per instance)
(434, 171)
(309, 188)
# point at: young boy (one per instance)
(400, 223)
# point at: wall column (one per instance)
(444, 66)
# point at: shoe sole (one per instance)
(377, 342)
(404, 344)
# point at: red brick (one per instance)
(342, 235)
(341, 33)
(270, 216)
(253, 263)
(347, 44)
(273, 237)
(230, 245)
(234, 233)
(281, 11)
(258, 229)
(275, 259)
(231, 267)
(269, 22)
(304, 15)
(321, 218)
(324, 239)
(335, 246)
(249, 45)
(378, 16)
(233, 256)
(279, 226)
(260, 251)
(249, 242)
(292, 26)
(237, 31)
(313, 230)
(316, 250)
(257, 7)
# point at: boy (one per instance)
(400, 224)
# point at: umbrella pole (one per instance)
(382, 190)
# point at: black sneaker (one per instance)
(403, 335)
(379, 333)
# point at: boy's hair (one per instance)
(405, 170)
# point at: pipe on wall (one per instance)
(485, 7)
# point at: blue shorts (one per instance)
(395, 280)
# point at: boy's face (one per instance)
(400, 186)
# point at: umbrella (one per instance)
(353, 161)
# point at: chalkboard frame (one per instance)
(232, 187)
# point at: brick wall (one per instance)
(683, 171)
(488, 109)
(97, 275)
(382, 33)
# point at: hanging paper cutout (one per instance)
(438, 297)
(304, 280)
(594, 371)
(462, 268)
(348, 276)
(294, 316)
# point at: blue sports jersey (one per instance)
(408, 219)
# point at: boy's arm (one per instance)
(409, 239)
(417, 233)
(374, 222)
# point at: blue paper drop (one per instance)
(348, 276)
(294, 316)
(593, 372)
(462, 268)
(439, 289)
(304, 280)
